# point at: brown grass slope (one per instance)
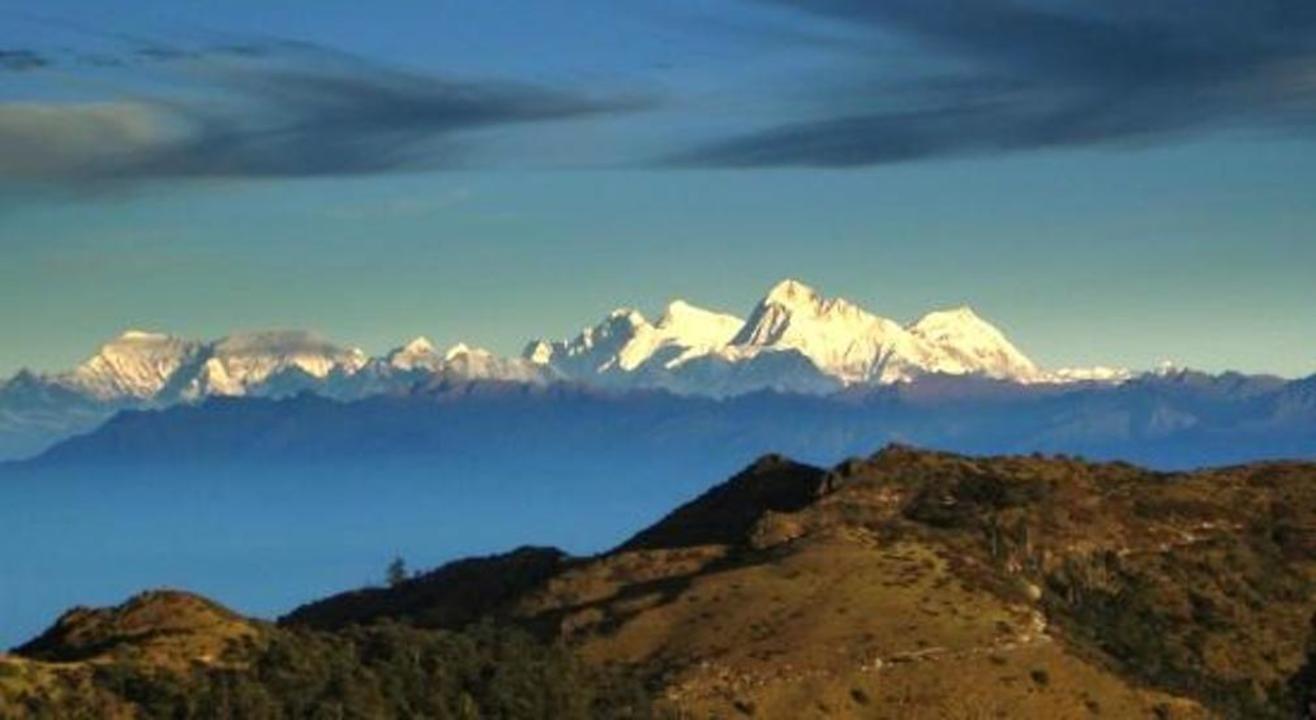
(925, 584)
(164, 625)
(909, 584)
(164, 632)
(166, 654)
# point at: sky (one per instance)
(1108, 182)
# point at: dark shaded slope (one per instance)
(726, 514)
(452, 596)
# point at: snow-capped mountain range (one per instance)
(141, 366)
(794, 340)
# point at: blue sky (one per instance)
(1109, 185)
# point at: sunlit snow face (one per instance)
(794, 339)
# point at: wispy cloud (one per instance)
(1019, 74)
(22, 60)
(268, 110)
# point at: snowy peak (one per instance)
(539, 352)
(596, 349)
(820, 342)
(626, 317)
(683, 331)
(462, 349)
(681, 319)
(798, 298)
(137, 365)
(791, 293)
(1096, 374)
(689, 326)
(625, 342)
(142, 366)
(295, 344)
(241, 363)
(463, 362)
(419, 354)
(795, 315)
(951, 321)
(418, 346)
(965, 343)
(796, 339)
(843, 340)
(260, 353)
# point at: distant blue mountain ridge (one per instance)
(1172, 420)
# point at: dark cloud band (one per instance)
(22, 60)
(1032, 75)
(289, 111)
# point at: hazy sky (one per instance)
(1109, 183)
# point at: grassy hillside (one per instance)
(908, 584)
(174, 655)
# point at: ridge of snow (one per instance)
(241, 362)
(792, 293)
(419, 344)
(794, 339)
(969, 344)
(1096, 373)
(464, 362)
(461, 349)
(843, 340)
(840, 341)
(418, 354)
(624, 341)
(137, 364)
(539, 352)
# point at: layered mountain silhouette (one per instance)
(1174, 420)
(907, 583)
(794, 340)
